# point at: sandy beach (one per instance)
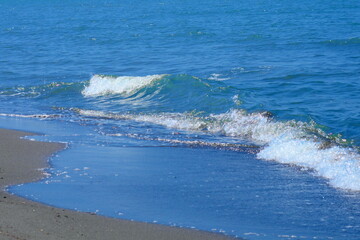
(21, 161)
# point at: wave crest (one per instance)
(103, 85)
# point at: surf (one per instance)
(295, 143)
(209, 107)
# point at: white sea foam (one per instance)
(217, 77)
(340, 165)
(103, 85)
(233, 146)
(256, 127)
(288, 142)
(40, 116)
(171, 120)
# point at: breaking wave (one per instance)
(192, 104)
(172, 92)
(103, 84)
(289, 142)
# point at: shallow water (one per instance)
(245, 113)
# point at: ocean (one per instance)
(239, 117)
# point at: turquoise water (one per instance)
(238, 117)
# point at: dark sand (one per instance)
(20, 161)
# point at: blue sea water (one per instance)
(239, 117)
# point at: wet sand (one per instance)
(21, 161)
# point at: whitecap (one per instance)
(102, 85)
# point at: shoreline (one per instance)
(21, 161)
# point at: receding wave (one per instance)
(289, 142)
(103, 84)
(196, 143)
